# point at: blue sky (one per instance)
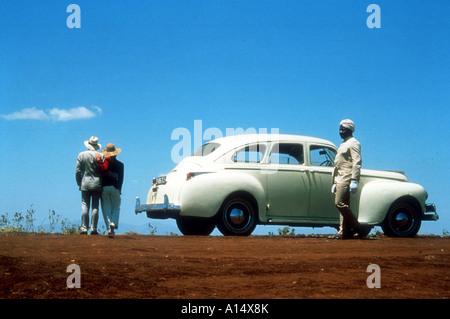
(137, 70)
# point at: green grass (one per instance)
(24, 223)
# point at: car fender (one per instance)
(378, 196)
(203, 195)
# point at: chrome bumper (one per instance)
(159, 211)
(430, 212)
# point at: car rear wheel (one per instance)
(195, 226)
(237, 218)
(402, 220)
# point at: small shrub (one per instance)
(284, 232)
(153, 229)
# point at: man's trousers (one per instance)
(348, 221)
(86, 198)
(111, 206)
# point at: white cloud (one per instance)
(76, 113)
(97, 109)
(55, 114)
(26, 114)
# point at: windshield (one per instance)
(206, 149)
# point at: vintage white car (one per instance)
(238, 182)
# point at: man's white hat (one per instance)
(348, 124)
(92, 144)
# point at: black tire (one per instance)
(237, 218)
(364, 230)
(402, 220)
(195, 226)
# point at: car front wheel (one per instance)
(236, 218)
(402, 220)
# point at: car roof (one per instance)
(237, 140)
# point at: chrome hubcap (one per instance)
(237, 216)
(402, 219)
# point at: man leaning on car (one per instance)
(346, 173)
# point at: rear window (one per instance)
(206, 149)
(250, 154)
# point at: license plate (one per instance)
(159, 180)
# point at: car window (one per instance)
(321, 155)
(249, 154)
(287, 153)
(206, 149)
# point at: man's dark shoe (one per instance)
(111, 231)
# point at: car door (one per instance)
(321, 165)
(287, 182)
(247, 160)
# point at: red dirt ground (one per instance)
(194, 267)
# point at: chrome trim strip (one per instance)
(430, 213)
(164, 207)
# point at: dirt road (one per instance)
(138, 266)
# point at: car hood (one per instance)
(393, 175)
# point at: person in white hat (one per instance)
(346, 174)
(112, 180)
(88, 177)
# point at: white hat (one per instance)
(92, 144)
(348, 124)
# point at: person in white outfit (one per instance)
(88, 177)
(346, 174)
(112, 180)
